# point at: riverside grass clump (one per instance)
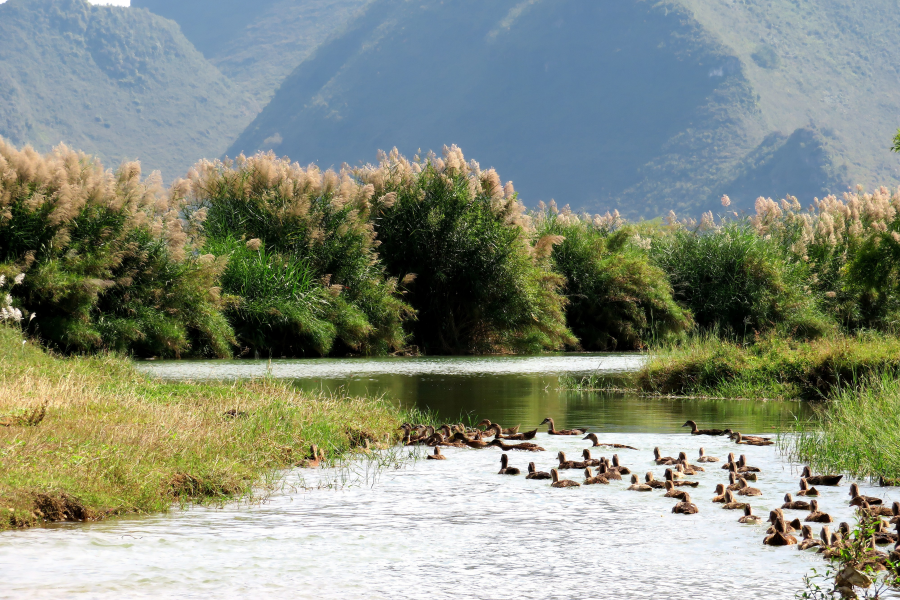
(111, 441)
(466, 255)
(104, 258)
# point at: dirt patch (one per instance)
(60, 507)
(184, 486)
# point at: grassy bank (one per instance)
(114, 442)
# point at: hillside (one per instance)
(117, 82)
(256, 44)
(632, 105)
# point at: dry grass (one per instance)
(113, 442)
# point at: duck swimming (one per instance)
(791, 504)
(638, 487)
(552, 430)
(808, 541)
(696, 431)
(671, 476)
(510, 431)
(820, 479)
(780, 538)
(749, 476)
(568, 464)
(815, 515)
(730, 503)
(739, 439)
(720, 493)
(671, 492)
(706, 459)
(505, 469)
(805, 490)
(524, 446)
(605, 472)
(437, 454)
(732, 435)
(687, 467)
(875, 511)
(857, 499)
(749, 518)
(315, 457)
(591, 480)
(533, 473)
(619, 468)
(588, 461)
(655, 484)
(685, 507)
(742, 466)
(662, 460)
(596, 442)
(746, 490)
(731, 461)
(561, 483)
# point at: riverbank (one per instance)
(90, 437)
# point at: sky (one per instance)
(108, 2)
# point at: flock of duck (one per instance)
(678, 469)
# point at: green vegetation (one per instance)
(106, 440)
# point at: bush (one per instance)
(460, 242)
(617, 298)
(105, 260)
(302, 274)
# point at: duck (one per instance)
(495, 430)
(509, 431)
(561, 483)
(524, 446)
(685, 507)
(829, 480)
(591, 480)
(815, 515)
(552, 430)
(746, 490)
(654, 483)
(662, 460)
(875, 511)
(779, 537)
(889, 481)
(730, 503)
(791, 504)
(882, 536)
(688, 468)
(671, 476)
(638, 487)
(720, 493)
(568, 464)
(505, 469)
(596, 442)
(696, 431)
(588, 461)
(740, 439)
(805, 490)
(533, 473)
(619, 468)
(749, 476)
(733, 483)
(789, 527)
(807, 540)
(671, 492)
(857, 499)
(733, 435)
(749, 518)
(706, 459)
(437, 454)
(743, 467)
(828, 539)
(608, 474)
(315, 458)
(731, 461)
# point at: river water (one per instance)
(452, 528)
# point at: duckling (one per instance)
(525, 446)
(588, 461)
(488, 425)
(619, 468)
(791, 504)
(315, 457)
(608, 474)
(720, 493)
(533, 473)
(882, 536)
(733, 483)
(808, 541)
(743, 467)
(732, 435)
(552, 430)
(739, 439)
(749, 518)
(729, 462)
(685, 507)
(746, 490)
(749, 476)
(805, 490)
(706, 459)
(820, 479)
(816, 516)
(828, 542)
(596, 442)
(505, 469)
(889, 481)
(591, 480)
(779, 537)
(671, 492)
(671, 476)
(687, 467)
(437, 454)
(564, 483)
(895, 510)
(495, 429)
(857, 499)
(638, 487)
(653, 483)
(568, 464)
(730, 503)
(695, 431)
(875, 511)
(662, 460)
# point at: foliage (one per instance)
(460, 242)
(617, 299)
(105, 258)
(302, 265)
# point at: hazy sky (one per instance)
(113, 2)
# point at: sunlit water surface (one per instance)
(453, 528)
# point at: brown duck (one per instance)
(746, 490)
(596, 442)
(753, 438)
(815, 515)
(820, 479)
(720, 493)
(743, 467)
(591, 479)
(749, 518)
(561, 483)
(730, 461)
(740, 439)
(437, 454)
(315, 459)
(696, 431)
(671, 492)
(662, 460)
(670, 476)
(653, 483)
(552, 430)
(780, 538)
(706, 459)
(588, 461)
(685, 507)
(605, 472)
(568, 464)
(791, 504)
(638, 487)
(807, 540)
(731, 504)
(617, 467)
(857, 499)
(533, 473)
(488, 425)
(805, 490)
(524, 446)
(494, 429)
(749, 476)
(687, 467)
(875, 511)
(505, 469)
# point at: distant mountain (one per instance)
(256, 44)
(117, 82)
(636, 105)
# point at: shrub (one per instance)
(302, 273)
(460, 242)
(617, 298)
(105, 260)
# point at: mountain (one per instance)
(120, 83)
(629, 104)
(256, 44)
